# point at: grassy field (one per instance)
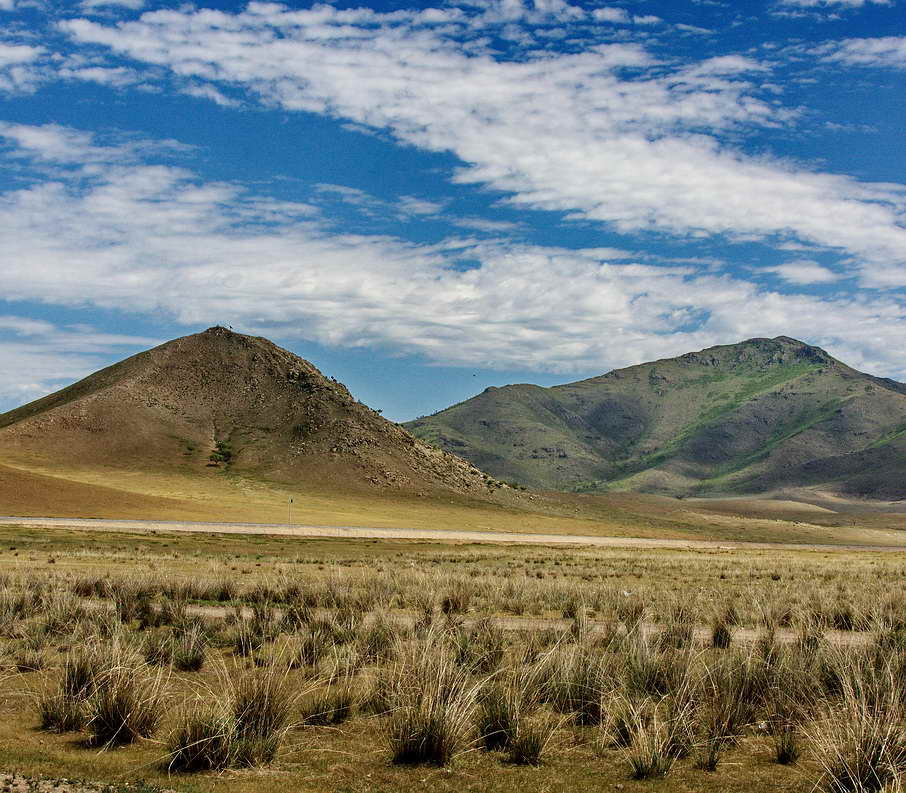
(30, 487)
(346, 665)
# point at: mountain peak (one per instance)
(744, 417)
(221, 399)
(757, 352)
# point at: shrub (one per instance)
(125, 705)
(61, 712)
(310, 649)
(203, 740)
(649, 755)
(503, 705)
(80, 670)
(158, 648)
(530, 739)
(432, 705)
(457, 599)
(261, 711)
(721, 633)
(647, 672)
(189, 650)
(578, 683)
(331, 705)
(861, 745)
(481, 647)
(378, 641)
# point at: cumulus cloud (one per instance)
(833, 3)
(152, 238)
(883, 52)
(132, 5)
(484, 224)
(114, 77)
(59, 145)
(805, 272)
(410, 205)
(615, 15)
(211, 93)
(607, 134)
(20, 70)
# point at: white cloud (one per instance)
(727, 65)
(484, 224)
(114, 77)
(11, 54)
(576, 133)
(37, 356)
(54, 143)
(133, 5)
(693, 29)
(410, 205)
(833, 3)
(58, 145)
(211, 93)
(805, 272)
(617, 16)
(19, 67)
(884, 52)
(24, 326)
(150, 238)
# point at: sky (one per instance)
(428, 199)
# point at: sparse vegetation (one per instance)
(394, 661)
(222, 454)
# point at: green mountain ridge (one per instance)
(759, 415)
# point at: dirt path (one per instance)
(442, 535)
(701, 634)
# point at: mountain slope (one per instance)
(759, 415)
(222, 401)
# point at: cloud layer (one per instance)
(587, 115)
(608, 134)
(155, 239)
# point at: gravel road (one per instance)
(442, 535)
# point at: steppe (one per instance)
(190, 603)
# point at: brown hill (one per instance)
(223, 401)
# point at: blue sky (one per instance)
(427, 199)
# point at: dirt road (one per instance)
(437, 535)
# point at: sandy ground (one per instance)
(16, 783)
(443, 535)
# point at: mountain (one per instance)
(220, 401)
(761, 415)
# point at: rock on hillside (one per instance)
(223, 400)
(760, 415)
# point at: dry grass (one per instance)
(590, 685)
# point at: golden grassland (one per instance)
(605, 654)
(30, 487)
